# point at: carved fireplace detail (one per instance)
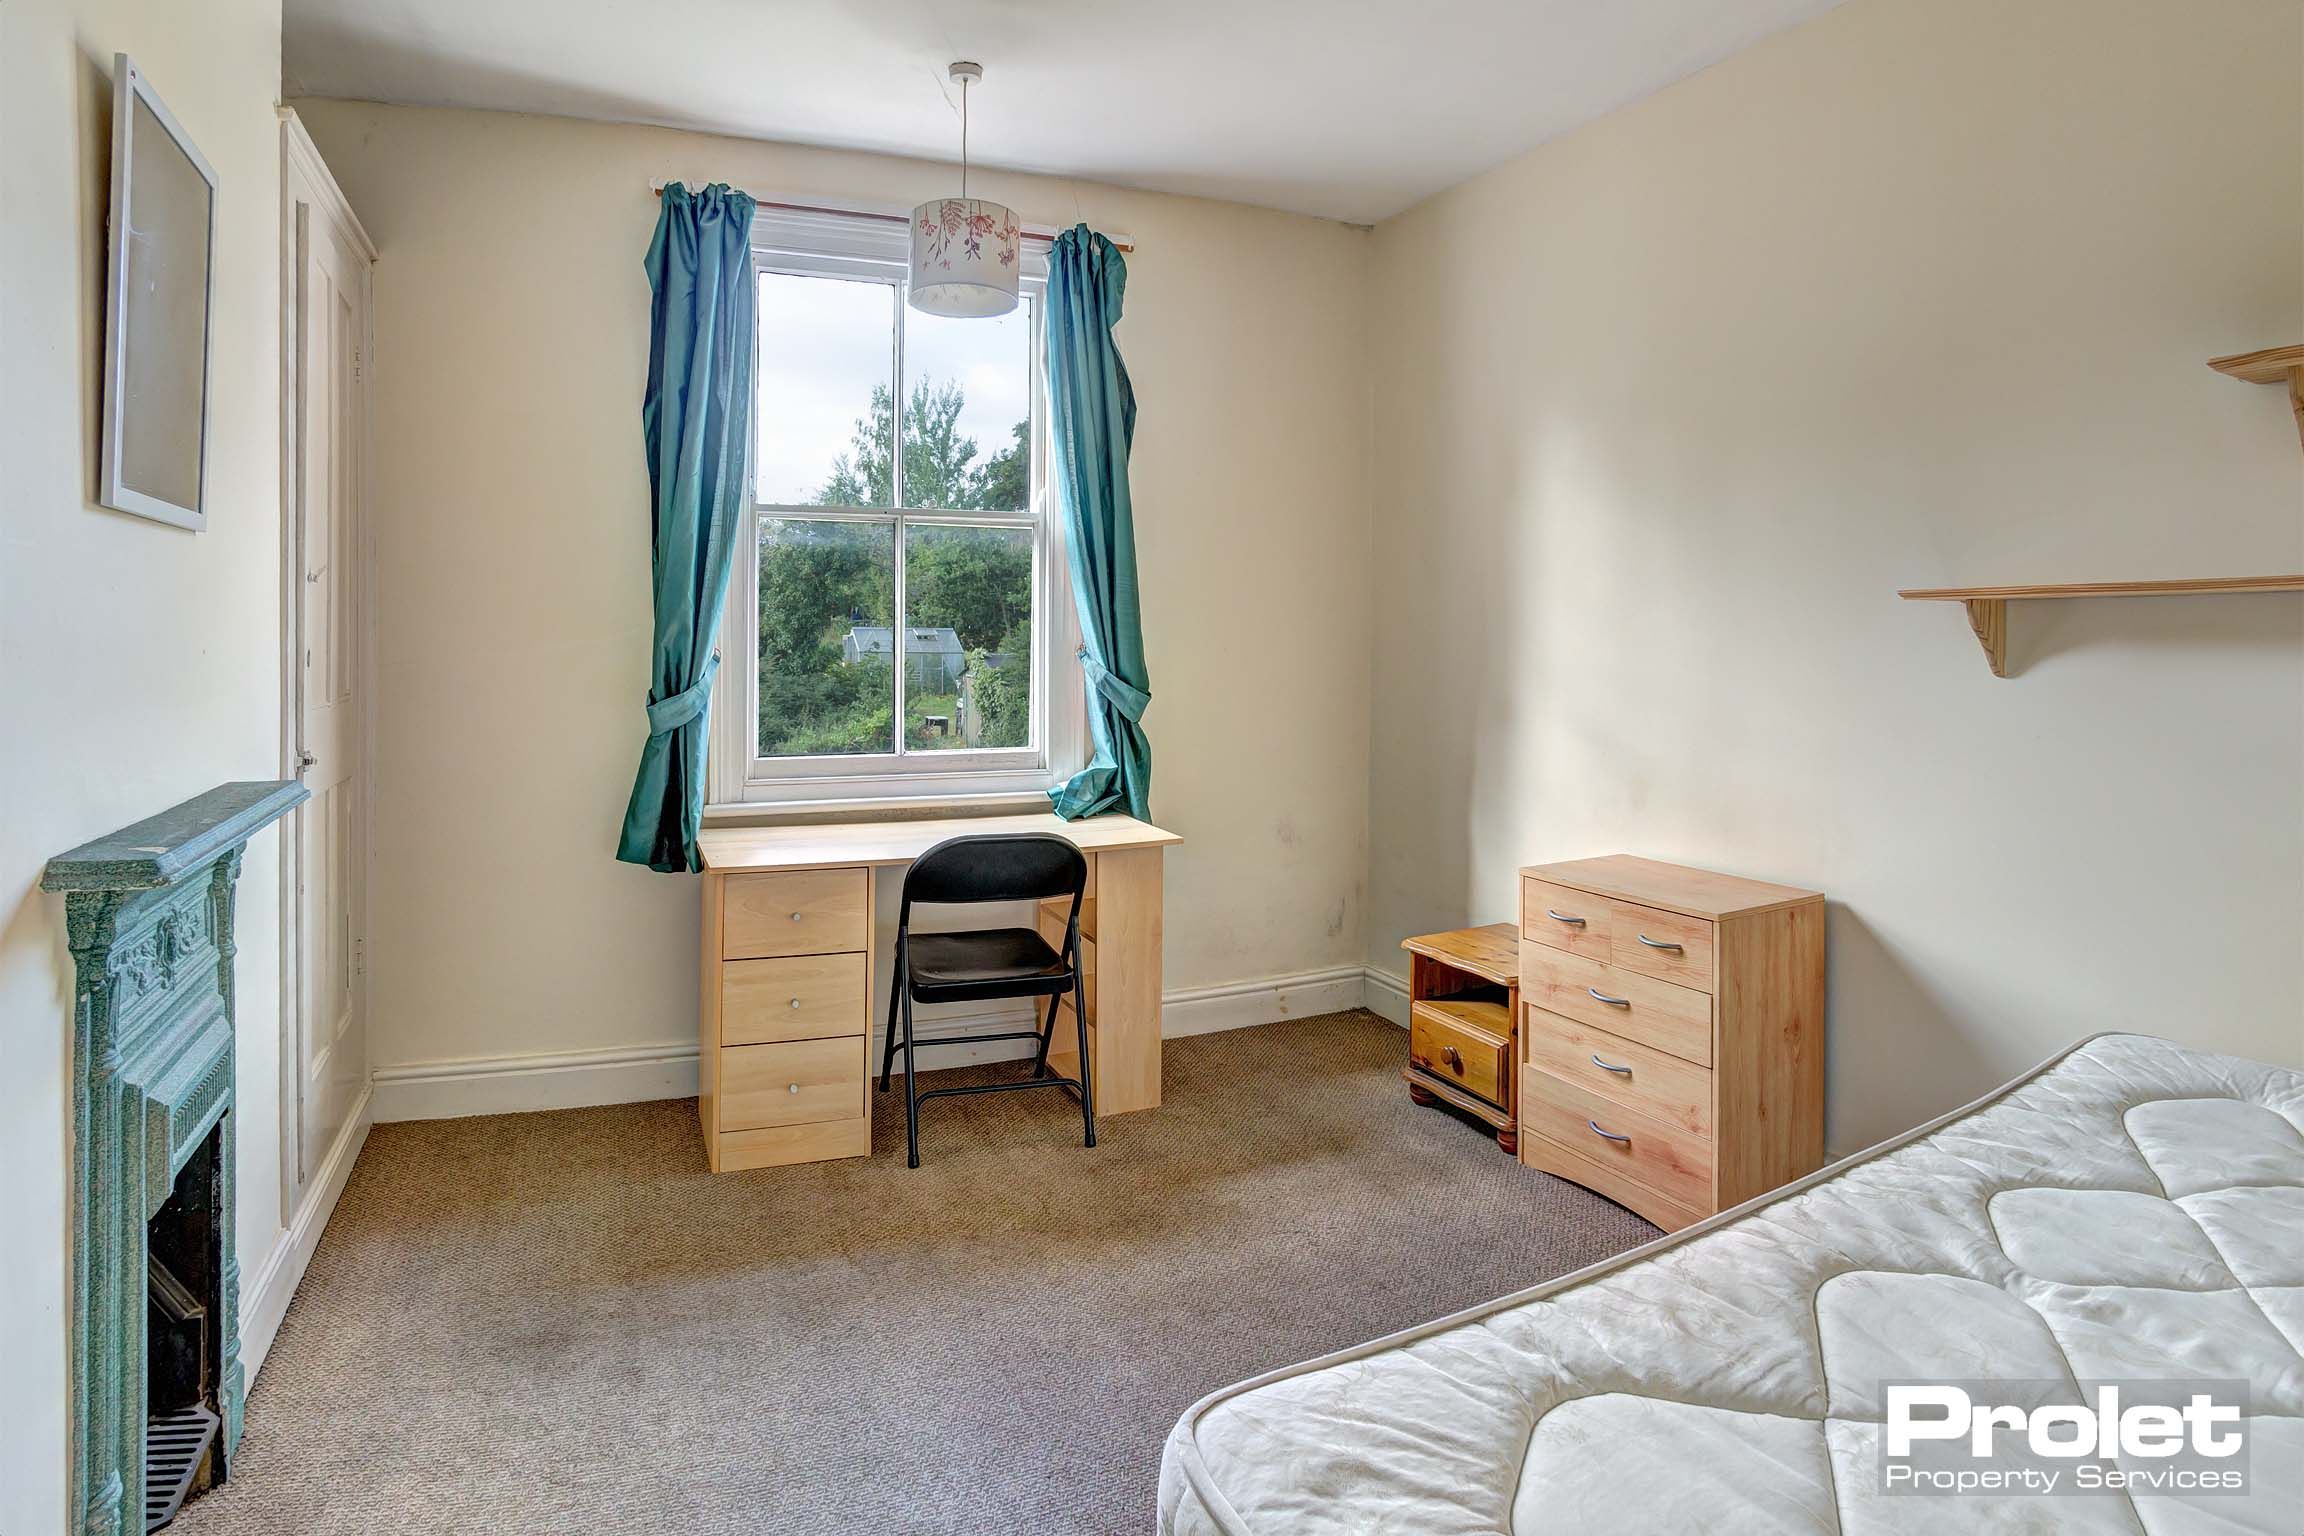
(155, 1283)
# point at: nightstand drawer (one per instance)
(1622, 1071)
(806, 997)
(795, 1083)
(1576, 921)
(1649, 1152)
(805, 912)
(1468, 1045)
(1659, 943)
(1625, 1003)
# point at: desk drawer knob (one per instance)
(1611, 1135)
(795, 1002)
(795, 917)
(791, 1087)
(1609, 1066)
(1613, 1002)
(1678, 949)
(1562, 917)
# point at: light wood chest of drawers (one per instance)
(1672, 1033)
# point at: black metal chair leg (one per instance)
(1087, 1089)
(1047, 1037)
(895, 989)
(911, 1091)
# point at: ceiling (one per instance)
(1351, 109)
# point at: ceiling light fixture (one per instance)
(964, 250)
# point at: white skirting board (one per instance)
(1387, 995)
(264, 1299)
(497, 1085)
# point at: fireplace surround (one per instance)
(148, 914)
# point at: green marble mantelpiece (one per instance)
(148, 914)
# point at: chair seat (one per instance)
(982, 964)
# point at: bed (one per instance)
(2130, 1209)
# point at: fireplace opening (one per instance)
(183, 1261)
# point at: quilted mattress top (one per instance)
(2132, 1210)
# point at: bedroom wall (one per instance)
(139, 663)
(1918, 293)
(512, 533)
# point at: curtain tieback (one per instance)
(1122, 695)
(668, 715)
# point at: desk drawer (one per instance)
(1467, 1045)
(1637, 1076)
(1651, 1012)
(801, 912)
(1657, 1156)
(1576, 921)
(796, 1083)
(806, 997)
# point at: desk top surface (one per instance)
(737, 850)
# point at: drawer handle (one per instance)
(1613, 1002)
(1609, 1066)
(1562, 917)
(795, 1002)
(1611, 1135)
(791, 1087)
(1678, 949)
(1454, 1058)
(795, 917)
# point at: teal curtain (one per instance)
(1092, 422)
(696, 419)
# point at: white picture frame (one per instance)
(159, 311)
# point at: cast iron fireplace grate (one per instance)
(174, 1446)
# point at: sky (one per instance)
(824, 342)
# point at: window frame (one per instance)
(869, 247)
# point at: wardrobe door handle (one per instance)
(1562, 917)
(1609, 1066)
(1613, 1002)
(1611, 1135)
(1678, 949)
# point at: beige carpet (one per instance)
(561, 1323)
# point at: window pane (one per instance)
(827, 676)
(967, 411)
(967, 638)
(826, 350)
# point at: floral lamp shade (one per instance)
(964, 258)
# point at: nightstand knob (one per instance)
(795, 917)
(791, 1087)
(795, 1002)
(1454, 1058)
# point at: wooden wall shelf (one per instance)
(1988, 606)
(2273, 365)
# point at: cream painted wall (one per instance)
(1915, 294)
(139, 664)
(512, 533)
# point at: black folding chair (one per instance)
(988, 963)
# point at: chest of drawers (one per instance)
(1672, 1033)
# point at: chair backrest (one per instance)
(1019, 866)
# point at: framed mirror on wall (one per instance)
(159, 284)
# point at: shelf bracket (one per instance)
(2273, 365)
(1988, 616)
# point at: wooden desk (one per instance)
(786, 1015)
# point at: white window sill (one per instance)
(875, 808)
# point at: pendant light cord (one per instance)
(963, 138)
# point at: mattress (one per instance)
(2130, 1210)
